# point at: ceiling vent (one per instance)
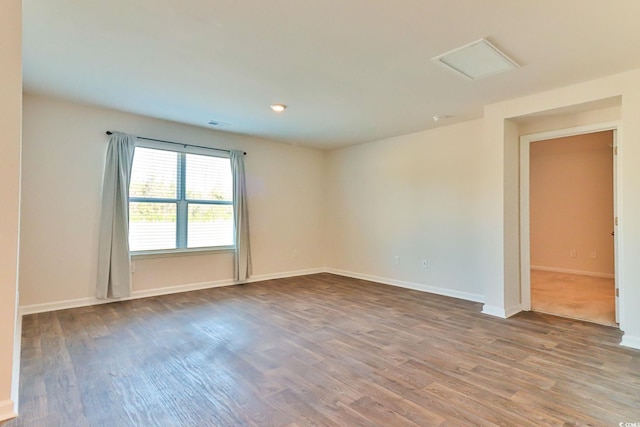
(476, 60)
(217, 123)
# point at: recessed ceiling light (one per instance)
(278, 108)
(476, 60)
(438, 118)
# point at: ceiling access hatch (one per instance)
(476, 60)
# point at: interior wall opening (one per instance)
(571, 213)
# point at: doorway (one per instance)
(568, 181)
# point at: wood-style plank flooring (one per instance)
(572, 295)
(320, 350)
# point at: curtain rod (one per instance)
(180, 143)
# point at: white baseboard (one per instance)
(409, 285)
(567, 271)
(296, 273)
(17, 347)
(492, 310)
(500, 312)
(87, 301)
(514, 309)
(630, 341)
(7, 410)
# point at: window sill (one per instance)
(181, 252)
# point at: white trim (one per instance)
(284, 275)
(630, 341)
(514, 309)
(525, 239)
(568, 271)
(88, 301)
(616, 235)
(500, 312)
(7, 410)
(525, 226)
(410, 285)
(83, 302)
(179, 288)
(578, 130)
(181, 252)
(492, 310)
(17, 347)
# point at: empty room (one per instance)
(225, 213)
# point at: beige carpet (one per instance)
(575, 296)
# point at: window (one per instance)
(179, 200)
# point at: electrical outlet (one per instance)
(594, 254)
(396, 259)
(573, 253)
(133, 267)
(425, 263)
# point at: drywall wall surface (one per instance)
(571, 203)
(494, 271)
(395, 202)
(628, 273)
(565, 121)
(64, 154)
(511, 217)
(10, 124)
(626, 86)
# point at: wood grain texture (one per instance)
(320, 350)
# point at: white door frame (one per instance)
(525, 240)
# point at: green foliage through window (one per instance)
(179, 200)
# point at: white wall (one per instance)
(413, 196)
(499, 286)
(449, 195)
(571, 203)
(511, 225)
(546, 123)
(64, 152)
(10, 124)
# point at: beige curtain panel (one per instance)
(242, 262)
(114, 261)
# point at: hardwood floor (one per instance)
(320, 350)
(573, 295)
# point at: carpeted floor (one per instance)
(575, 296)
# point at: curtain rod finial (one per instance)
(109, 132)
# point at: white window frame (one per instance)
(181, 201)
